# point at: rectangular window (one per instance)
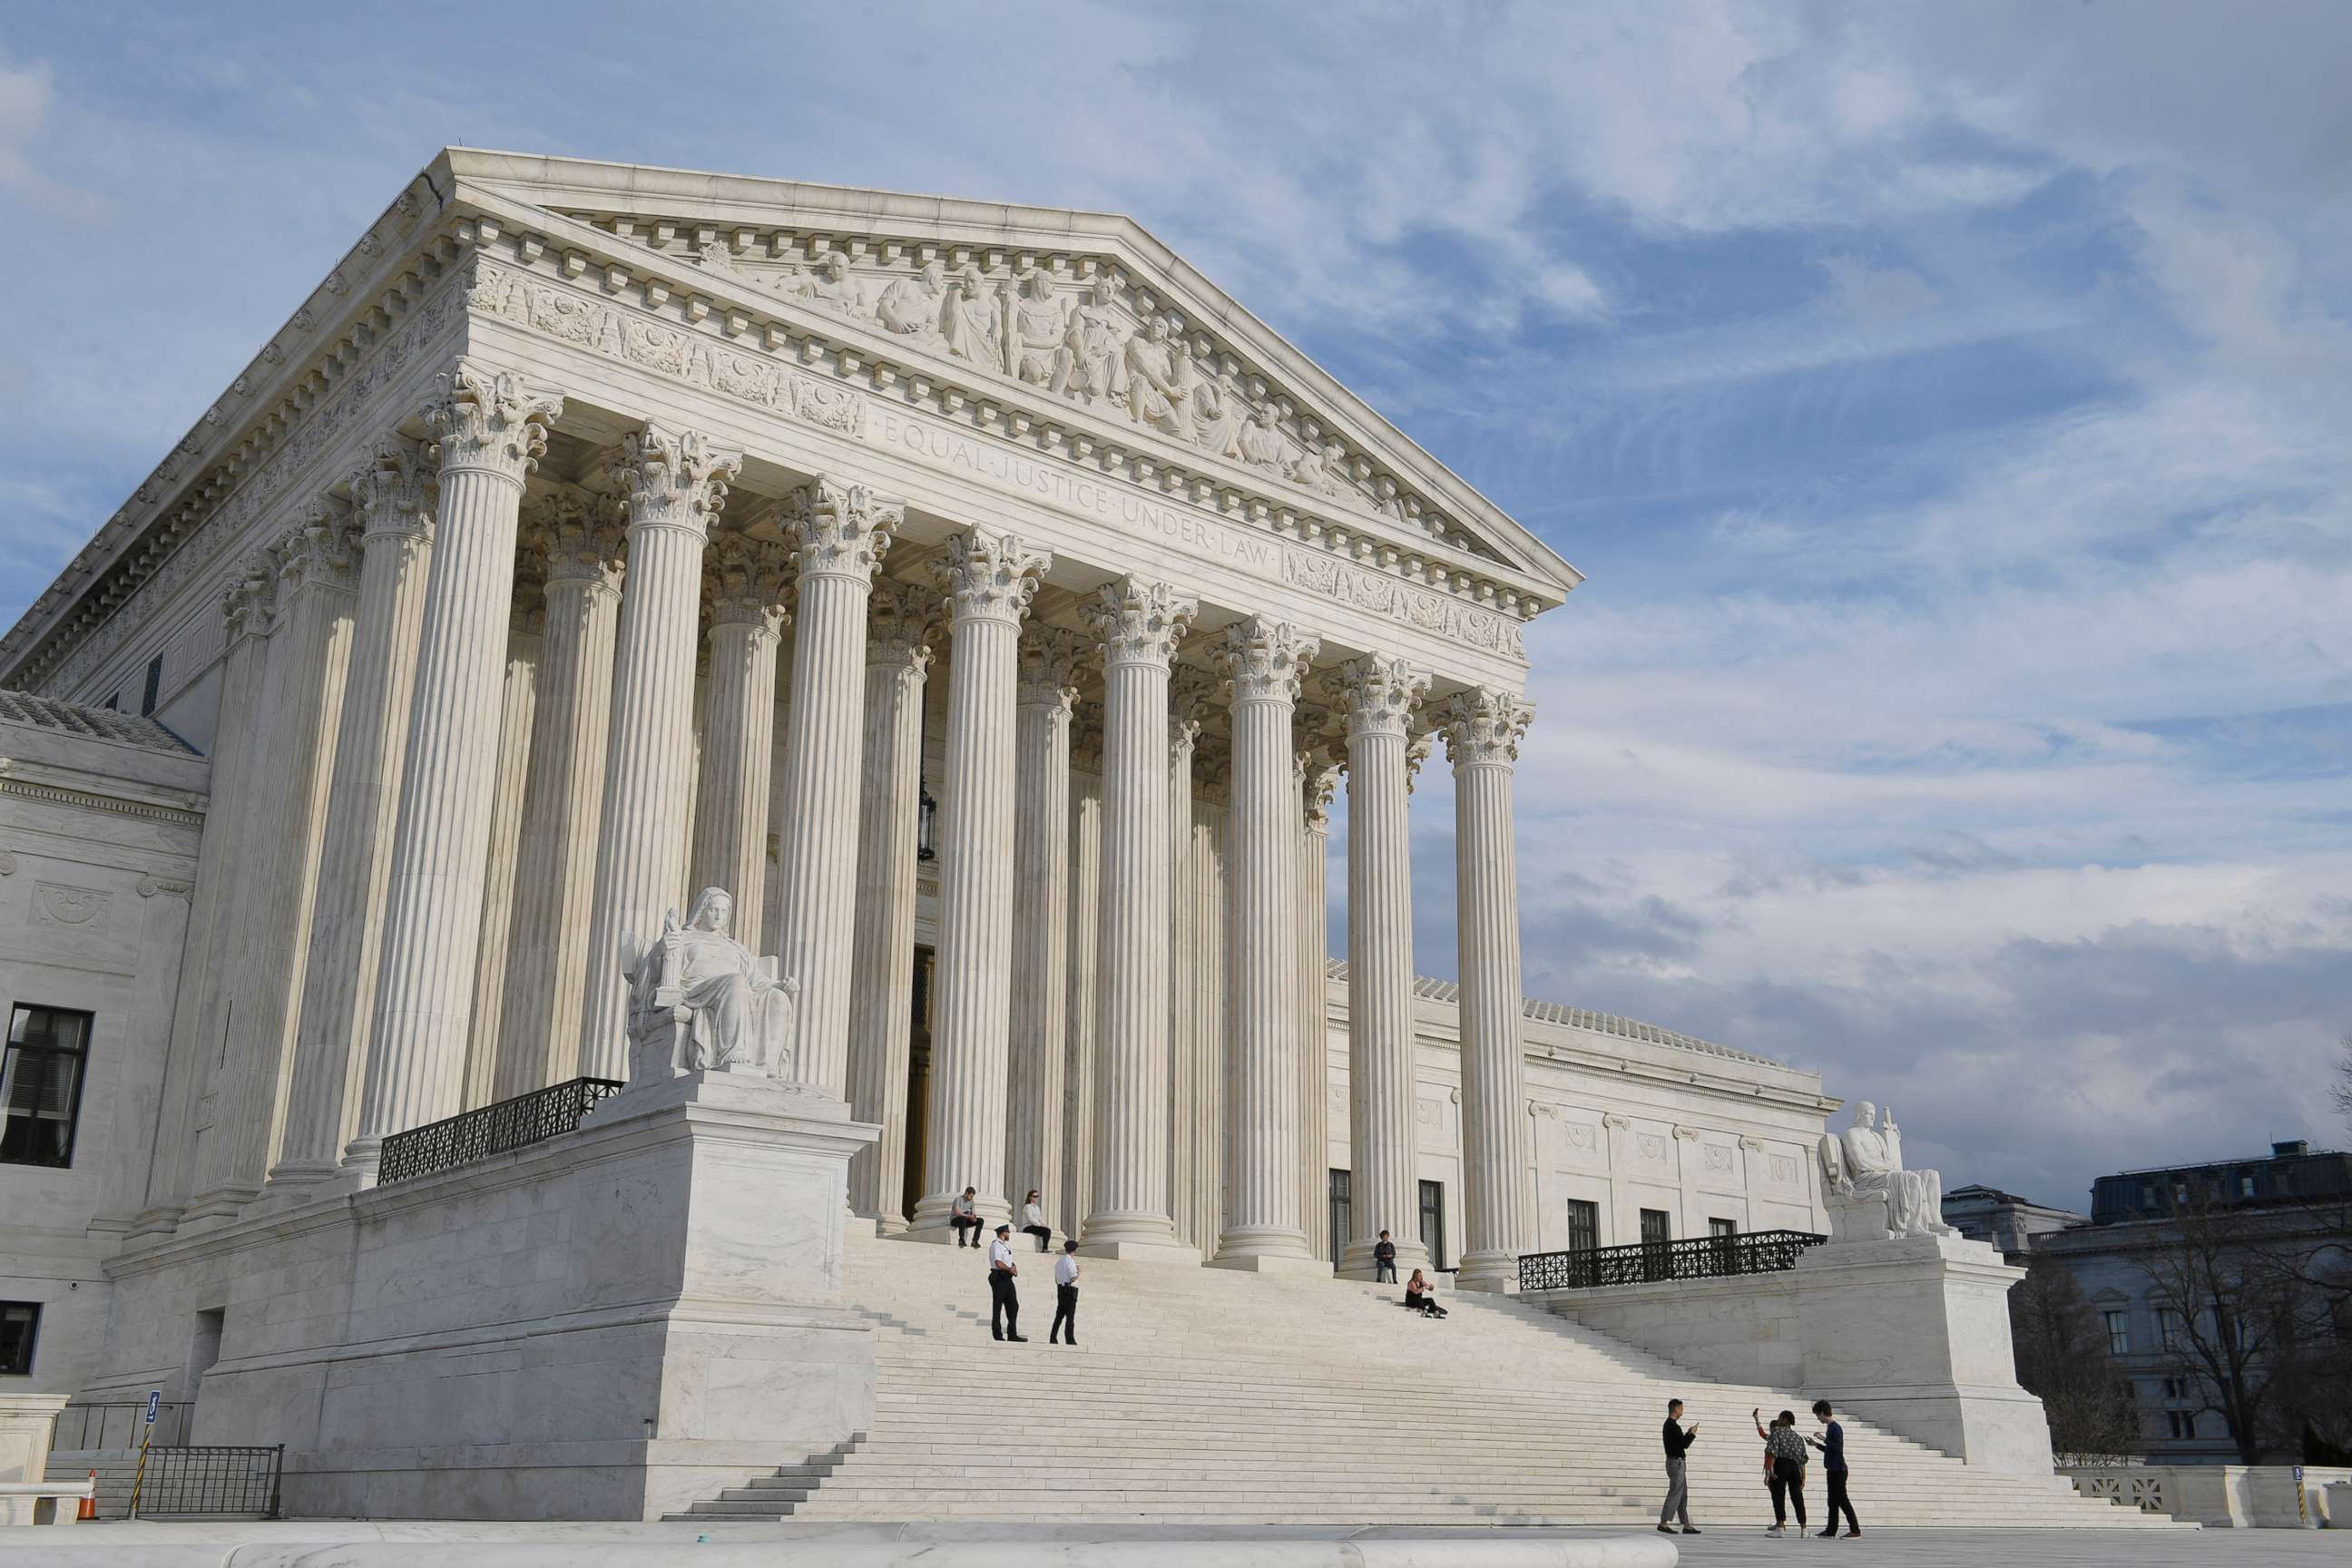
(2246, 1186)
(2118, 1332)
(1723, 1227)
(1432, 1222)
(155, 686)
(20, 1325)
(2169, 1327)
(40, 1085)
(1341, 1218)
(1657, 1226)
(2181, 1424)
(1583, 1225)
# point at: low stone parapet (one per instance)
(2223, 1497)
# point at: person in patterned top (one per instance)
(1784, 1468)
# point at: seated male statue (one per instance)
(1863, 1167)
(700, 999)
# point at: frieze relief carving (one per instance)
(61, 904)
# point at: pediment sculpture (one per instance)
(1869, 1195)
(699, 1001)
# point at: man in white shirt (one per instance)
(1004, 1302)
(1066, 1292)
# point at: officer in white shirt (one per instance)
(1004, 1302)
(1066, 1292)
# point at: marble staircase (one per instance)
(1204, 1396)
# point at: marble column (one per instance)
(493, 955)
(200, 1021)
(1190, 690)
(746, 580)
(1139, 624)
(1379, 695)
(841, 531)
(989, 579)
(1264, 659)
(676, 482)
(882, 960)
(492, 428)
(1318, 772)
(1483, 729)
(303, 696)
(579, 546)
(1084, 930)
(396, 495)
(1034, 1125)
(1209, 779)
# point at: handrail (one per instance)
(497, 1128)
(1648, 1262)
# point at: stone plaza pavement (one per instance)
(363, 1544)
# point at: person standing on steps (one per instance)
(1033, 1222)
(1066, 1292)
(1384, 1260)
(1784, 1468)
(1831, 1443)
(1003, 1301)
(1678, 1442)
(964, 1215)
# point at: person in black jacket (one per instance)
(1678, 1442)
(1384, 1260)
(1831, 1443)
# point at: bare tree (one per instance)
(2342, 1090)
(2062, 1360)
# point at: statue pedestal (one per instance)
(1913, 1334)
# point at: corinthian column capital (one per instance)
(840, 529)
(317, 553)
(745, 580)
(396, 491)
(579, 540)
(899, 631)
(491, 420)
(1484, 727)
(675, 479)
(1378, 693)
(1190, 692)
(1138, 622)
(251, 596)
(991, 576)
(1051, 657)
(1266, 660)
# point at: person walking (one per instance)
(1784, 1468)
(964, 1215)
(1384, 1260)
(1678, 1442)
(1033, 1222)
(1003, 1299)
(1831, 1443)
(1066, 1292)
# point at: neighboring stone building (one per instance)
(596, 534)
(2004, 1220)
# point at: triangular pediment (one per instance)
(1077, 315)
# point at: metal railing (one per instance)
(108, 1424)
(474, 1136)
(215, 1480)
(1648, 1262)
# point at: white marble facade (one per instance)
(593, 534)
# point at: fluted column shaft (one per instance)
(1207, 1090)
(731, 804)
(492, 428)
(1034, 1127)
(991, 580)
(1187, 695)
(1483, 730)
(1318, 781)
(1139, 624)
(395, 497)
(882, 960)
(303, 694)
(841, 531)
(1083, 929)
(676, 482)
(1381, 694)
(486, 1048)
(563, 798)
(1264, 659)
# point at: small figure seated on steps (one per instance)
(700, 1002)
(1869, 1195)
(1420, 1296)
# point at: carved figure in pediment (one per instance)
(828, 285)
(1160, 380)
(913, 305)
(714, 257)
(1090, 368)
(1040, 322)
(1321, 470)
(967, 319)
(1219, 412)
(1262, 444)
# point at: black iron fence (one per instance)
(110, 1425)
(474, 1136)
(1648, 1262)
(215, 1480)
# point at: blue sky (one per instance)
(1949, 405)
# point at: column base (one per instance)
(891, 1224)
(1270, 1263)
(1138, 1249)
(217, 1206)
(1355, 1261)
(160, 1220)
(1495, 1272)
(291, 1186)
(931, 1221)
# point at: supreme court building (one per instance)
(987, 603)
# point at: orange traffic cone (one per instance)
(88, 1508)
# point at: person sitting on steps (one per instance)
(1420, 1296)
(1384, 1260)
(1033, 1222)
(964, 1215)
